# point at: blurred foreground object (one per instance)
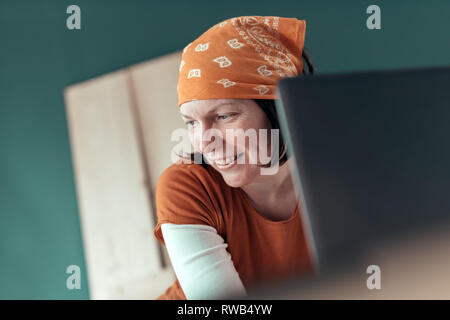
(372, 153)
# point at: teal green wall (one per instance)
(39, 223)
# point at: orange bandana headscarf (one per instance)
(241, 58)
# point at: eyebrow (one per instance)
(210, 111)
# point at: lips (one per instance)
(223, 163)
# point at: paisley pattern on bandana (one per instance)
(241, 58)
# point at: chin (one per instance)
(234, 183)
(237, 178)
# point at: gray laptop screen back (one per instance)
(372, 152)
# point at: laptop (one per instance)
(372, 158)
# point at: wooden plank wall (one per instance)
(120, 126)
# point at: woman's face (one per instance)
(217, 128)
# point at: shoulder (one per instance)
(186, 176)
(189, 194)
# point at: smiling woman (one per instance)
(226, 224)
(266, 106)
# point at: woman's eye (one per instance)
(223, 116)
(190, 123)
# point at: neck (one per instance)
(267, 188)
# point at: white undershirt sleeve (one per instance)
(201, 262)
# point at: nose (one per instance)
(209, 138)
(203, 145)
(200, 142)
(207, 144)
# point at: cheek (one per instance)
(258, 146)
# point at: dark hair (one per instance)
(269, 108)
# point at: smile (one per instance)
(228, 162)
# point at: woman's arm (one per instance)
(201, 262)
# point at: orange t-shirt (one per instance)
(262, 250)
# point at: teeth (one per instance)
(226, 161)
